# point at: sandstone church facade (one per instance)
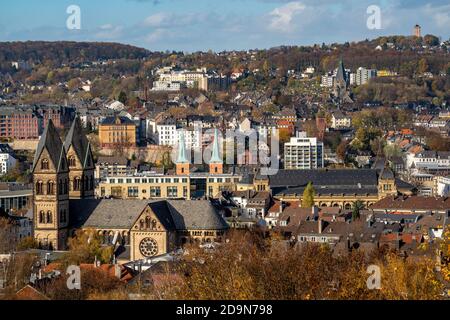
(63, 178)
(61, 172)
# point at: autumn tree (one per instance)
(86, 247)
(308, 196)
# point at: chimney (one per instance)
(320, 224)
(315, 211)
(117, 271)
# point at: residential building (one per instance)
(117, 132)
(7, 159)
(340, 121)
(113, 166)
(303, 152)
(363, 75)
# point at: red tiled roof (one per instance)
(30, 293)
(413, 203)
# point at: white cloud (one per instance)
(169, 20)
(281, 17)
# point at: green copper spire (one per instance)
(182, 158)
(215, 157)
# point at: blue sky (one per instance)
(192, 25)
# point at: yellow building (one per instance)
(334, 188)
(116, 132)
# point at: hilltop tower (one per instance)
(417, 31)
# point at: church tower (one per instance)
(50, 191)
(182, 164)
(386, 184)
(216, 162)
(81, 163)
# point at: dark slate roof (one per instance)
(50, 140)
(112, 120)
(341, 75)
(195, 215)
(112, 214)
(122, 214)
(328, 178)
(386, 173)
(78, 140)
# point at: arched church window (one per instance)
(91, 187)
(77, 184)
(147, 223)
(41, 217)
(50, 187)
(49, 217)
(39, 187)
(45, 164)
(60, 187)
(72, 162)
(66, 186)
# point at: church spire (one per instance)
(182, 158)
(182, 163)
(215, 157)
(216, 162)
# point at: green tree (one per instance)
(123, 97)
(356, 210)
(308, 196)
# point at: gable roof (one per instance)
(76, 138)
(50, 140)
(30, 293)
(122, 214)
(105, 213)
(195, 215)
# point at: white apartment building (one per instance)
(363, 75)
(442, 186)
(169, 135)
(429, 161)
(7, 159)
(303, 153)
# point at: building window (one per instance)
(77, 184)
(133, 192)
(49, 217)
(50, 188)
(155, 192)
(45, 164)
(72, 162)
(41, 217)
(172, 192)
(39, 188)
